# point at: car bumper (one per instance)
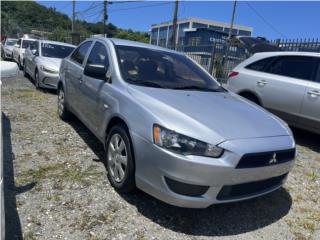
(49, 80)
(161, 173)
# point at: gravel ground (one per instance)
(56, 186)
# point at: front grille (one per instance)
(253, 160)
(250, 189)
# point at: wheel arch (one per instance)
(245, 93)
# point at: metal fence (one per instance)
(219, 59)
(299, 45)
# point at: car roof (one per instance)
(271, 54)
(56, 42)
(123, 42)
(11, 39)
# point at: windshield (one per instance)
(154, 68)
(11, 42)
(26, 43)
(55, 50)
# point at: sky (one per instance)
(270, 19)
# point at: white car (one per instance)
(19, 49)
(7, 47)
(286, 83)
(42, 62)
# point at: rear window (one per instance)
(301, 67)
(260, 65)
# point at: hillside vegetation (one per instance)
(22, 17)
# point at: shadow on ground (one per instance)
(12, 220)
(217, 220)
(307, 139)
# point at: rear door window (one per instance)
(301, 67)
(81, 52)
(260, 65)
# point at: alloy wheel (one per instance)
(60, 102)
(117, 157)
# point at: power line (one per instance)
(265, 20)
(145, 6)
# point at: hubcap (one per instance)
(117, 157)
(60, 102)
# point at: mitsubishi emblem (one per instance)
(273, 159)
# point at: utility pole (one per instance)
(174, 25)
(73, 14)
(229, 35)
(105, 18)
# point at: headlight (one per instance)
(182, 144)
(49, 70)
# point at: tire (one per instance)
(36, 79)
(63, 111)
(251, 98)
(120, 160)
(25, 74)
(19, 64)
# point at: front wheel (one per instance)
(25, 74)
(119, 158)
(37, 80)
(63, 112)
(19, 64)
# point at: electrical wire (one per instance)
(265, 20)
(145, 6)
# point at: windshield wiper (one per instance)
(144, 83)
(220, 89)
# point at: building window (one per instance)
(194, 41)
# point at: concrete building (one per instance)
(160, 34)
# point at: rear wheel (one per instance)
(63, 112)
(25, 74)
(119, 158)
(36, 79)
(251, 97)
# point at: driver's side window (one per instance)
(98, 55)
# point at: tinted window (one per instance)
(98, 55)
(154, 68)
(55, 50)
(318, 75)
(295, 66)
(19, 42)
(80, 53)
(260, 65)
(26, 43)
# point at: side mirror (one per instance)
(95, 71)
(34, 52)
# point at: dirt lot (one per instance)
(56, 186)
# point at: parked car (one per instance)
(42, 62)
(7, 47)
(169, 128)
(19, 50)
(286, 83)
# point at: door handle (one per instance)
(80, 79)
(262, 83)
(314, 93)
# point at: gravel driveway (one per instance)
(56, 186)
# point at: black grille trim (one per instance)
(251, 188)
(253, 160)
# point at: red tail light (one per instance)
(233, 74)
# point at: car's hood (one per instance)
(9, 48)
(53, 63)
(209, 116)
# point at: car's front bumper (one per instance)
(48, 80)
(155, 165)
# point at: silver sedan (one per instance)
(169, 128)
(42, 62)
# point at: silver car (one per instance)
(7, 47)
(169, 128)
(286, 83)
(42, 62)
(19, 49)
